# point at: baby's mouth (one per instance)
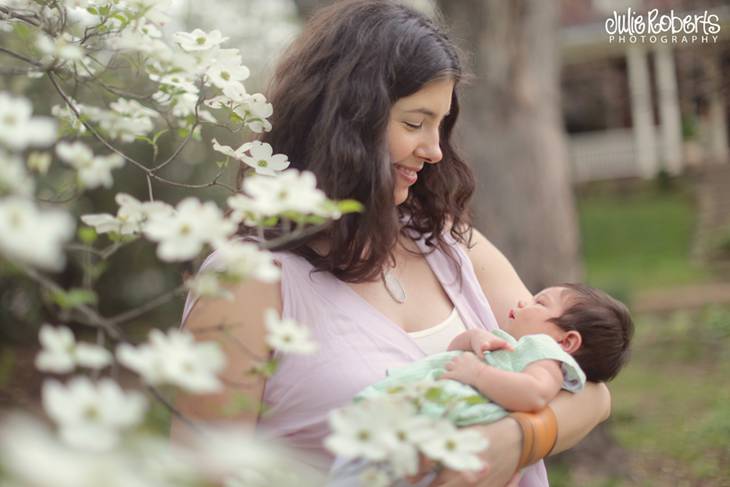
(512, 314)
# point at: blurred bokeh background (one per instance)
(598, 160)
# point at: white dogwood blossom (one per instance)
(224, 75)
(131, 216)
(14, 178)
(39, 162)
(181, 236)
(359, 431)
(19, 129)
(263, 159)
(61, 353)
(32, 455)
(237, 154)
(62, 47)
(208, 285)
(457, 449)
(175, 358)
(256, 110)
(287, 336)
(252, 110)
(32, 235)
(244, 260)
(290, 190)
(199, 40)
(92, 171)
(92, 415)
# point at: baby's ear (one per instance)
(571, 341)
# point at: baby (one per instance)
(563, 336)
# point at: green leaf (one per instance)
(92, 10)
(74, 298)
(350, 206)
(234, 117)
(270, 222)
(158, 135)
(266, 369)
(223, 163)
(473, 400)
(240, 402)
(7, 364)
(87, 235)
(434, 394)
(22, 31)
(142, 138)
(96, 270)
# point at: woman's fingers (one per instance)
(451, 478)
(425, 467)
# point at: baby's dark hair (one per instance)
(605, 327)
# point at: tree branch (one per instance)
(21, 57)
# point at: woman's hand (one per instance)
(500, 458)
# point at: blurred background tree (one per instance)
(595, 158)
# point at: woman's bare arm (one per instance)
(577, 414)
(238, 326)
(497, 277)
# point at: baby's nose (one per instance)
(520, 304)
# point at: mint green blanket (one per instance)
(463, 404)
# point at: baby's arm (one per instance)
(529, 390)
(478, 341)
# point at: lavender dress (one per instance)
(357, 345)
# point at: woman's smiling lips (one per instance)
(409, 174)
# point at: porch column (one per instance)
(642, 116)
(671, 122)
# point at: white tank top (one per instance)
(437, 338)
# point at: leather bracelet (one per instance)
(539, 435)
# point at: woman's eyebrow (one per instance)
(425, 111)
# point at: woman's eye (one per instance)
(413, 125)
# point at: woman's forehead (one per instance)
(434, 99)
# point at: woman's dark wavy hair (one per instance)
(332, 93)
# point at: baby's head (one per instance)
(589, 324)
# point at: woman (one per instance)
(366, 98)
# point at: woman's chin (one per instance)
(401, 195)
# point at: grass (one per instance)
(670, 412)
(670, 404)
(639, 239)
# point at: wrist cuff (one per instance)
(539, 435)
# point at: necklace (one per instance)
(393, 286)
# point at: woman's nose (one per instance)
(430, 150)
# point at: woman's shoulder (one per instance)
(242, 300)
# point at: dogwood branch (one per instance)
(134, 162)
(21, 57)
(148, 306)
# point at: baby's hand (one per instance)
(478, 341)
(484, 341)
(463, 368)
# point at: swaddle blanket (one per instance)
(461, 403)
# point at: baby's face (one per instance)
(529, 318)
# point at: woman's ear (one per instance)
(571, 341)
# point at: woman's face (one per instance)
(413, 133)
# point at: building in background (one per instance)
(635, 109)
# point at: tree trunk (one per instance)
(512, 133)
(308, 7)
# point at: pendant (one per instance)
(394, 287)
